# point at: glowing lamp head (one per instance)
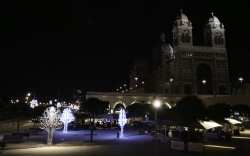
(171, 79)
(157, 104)
(240, 78)
(204, 81)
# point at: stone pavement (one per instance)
(106, 143)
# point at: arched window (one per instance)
(218, 40)
(185, 36)
(222, 90)
(166, 90)
(187, 89)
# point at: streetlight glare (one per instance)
(204, 81)
(157, 103)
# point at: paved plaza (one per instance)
(107, 143)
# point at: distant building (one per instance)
(185, 68)
(172, 73)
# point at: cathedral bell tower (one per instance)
(214, 33)
(182, 31)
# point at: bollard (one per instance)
(118, 134)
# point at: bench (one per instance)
(15, 138)
(24, 134)
(33, 131)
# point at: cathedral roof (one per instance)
(181, 16)
(213, 19)
(182, 19)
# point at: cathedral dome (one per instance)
(181, 19)
(213, 21)
(182, 16)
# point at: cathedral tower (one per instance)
(214, 33)
(182, 31)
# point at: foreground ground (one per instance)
(107, 143)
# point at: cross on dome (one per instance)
(212, 14)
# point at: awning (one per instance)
(233, 121)
(209, 124)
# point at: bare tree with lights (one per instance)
(50, 122)
(66, 117)
(122, 121)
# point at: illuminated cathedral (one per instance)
(172, 72)
(185, 68)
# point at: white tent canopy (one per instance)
(209, 124)
(233, 121)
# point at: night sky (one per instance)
(56, 46)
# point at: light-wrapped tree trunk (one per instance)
(50, 137)
(50, 122)
(65, 127)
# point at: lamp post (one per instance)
(28, 96)
(136, 78)
(204, 82)
(241, 79)
(156, 105)
(171, 79)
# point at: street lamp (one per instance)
(28, 95)
(156, 105)
(204, 82)
(136, 78)
(241, 79)
(171, 79)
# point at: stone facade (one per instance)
(172, 73)
(185, 68)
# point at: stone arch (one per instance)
(167, 90)
(119, 102)
(204, 72)
(187, 89)
(167, 104)
(177, 89)
(222, 90)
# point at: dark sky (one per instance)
(56, 46)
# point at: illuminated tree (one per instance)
(122, 121)
(66, 118)
(50, 122)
